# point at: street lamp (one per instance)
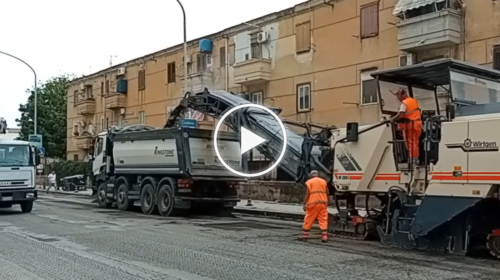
(185, 48)
(36, 89)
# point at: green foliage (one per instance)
(51, 99)
(70, 168)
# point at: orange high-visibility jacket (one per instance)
(318, 191)
(412, 109)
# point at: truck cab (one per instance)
(18, 161)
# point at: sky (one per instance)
(56, 37)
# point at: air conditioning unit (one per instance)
(262, 37)
(121, 71)
(406, 59)
(122, 111)
(82, 86)
(187, 58)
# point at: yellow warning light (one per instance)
(457, 168)
(476, 192)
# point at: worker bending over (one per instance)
(316, 206)
(409, 112)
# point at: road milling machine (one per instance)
(448, 200)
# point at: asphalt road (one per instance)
(64, 240)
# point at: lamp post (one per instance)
(36, 89)
(185, 48)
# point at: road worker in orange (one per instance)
(409, 112)
(316, 206)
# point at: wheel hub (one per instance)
(121, 196)
(102, 195)
(147, 199)
(165, 201)
(493, 244)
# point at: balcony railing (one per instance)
(252, 71)
(86, 107)
(115, 100)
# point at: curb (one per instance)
(66, 201)
(64, 193)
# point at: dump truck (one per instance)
(18, 161)
(166, 170)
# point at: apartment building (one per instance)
(313, 60)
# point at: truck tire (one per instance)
(27, 206)
(147, 199)
(165, 200)
(102, 201)
(122, 200)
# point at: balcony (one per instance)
(197, 82)
(253, 71)
(429, 31)
(83, 142)
(85, 107)
(115, 100)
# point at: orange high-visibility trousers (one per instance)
(411, 133)
(315, 212)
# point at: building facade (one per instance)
(312, 60)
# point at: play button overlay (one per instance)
(250, 140)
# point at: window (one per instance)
(75, 157)
(256, 50)
(369, 20)
(88, 93)
(142, 79)
(102, 88)
(203, 62)
(496, 57)
(107, 123)
(76, 130)
(171, 73)
(107, 86)
(256, 98)
(100, 145)
(303, 37)
(304, 97)
(142, 117)
(222, 56)
(103, 126)
(368, 88)
(75, 98)
(231, 54)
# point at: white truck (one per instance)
(166, 170)
(18, 161)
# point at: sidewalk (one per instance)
(87, 192)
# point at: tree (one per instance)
(51, 113)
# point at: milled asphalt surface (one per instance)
(74, 240)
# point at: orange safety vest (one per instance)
(412, 109)
(318, 191)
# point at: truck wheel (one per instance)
(122, 200)
(147, 199)
(27, 206)
(165, 200)
(102, 201)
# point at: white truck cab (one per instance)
(18, 161)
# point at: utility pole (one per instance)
(36, 89)
(185, 49)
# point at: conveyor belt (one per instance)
(303, 153)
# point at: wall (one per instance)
(333, 65)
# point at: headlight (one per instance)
(30, 195)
